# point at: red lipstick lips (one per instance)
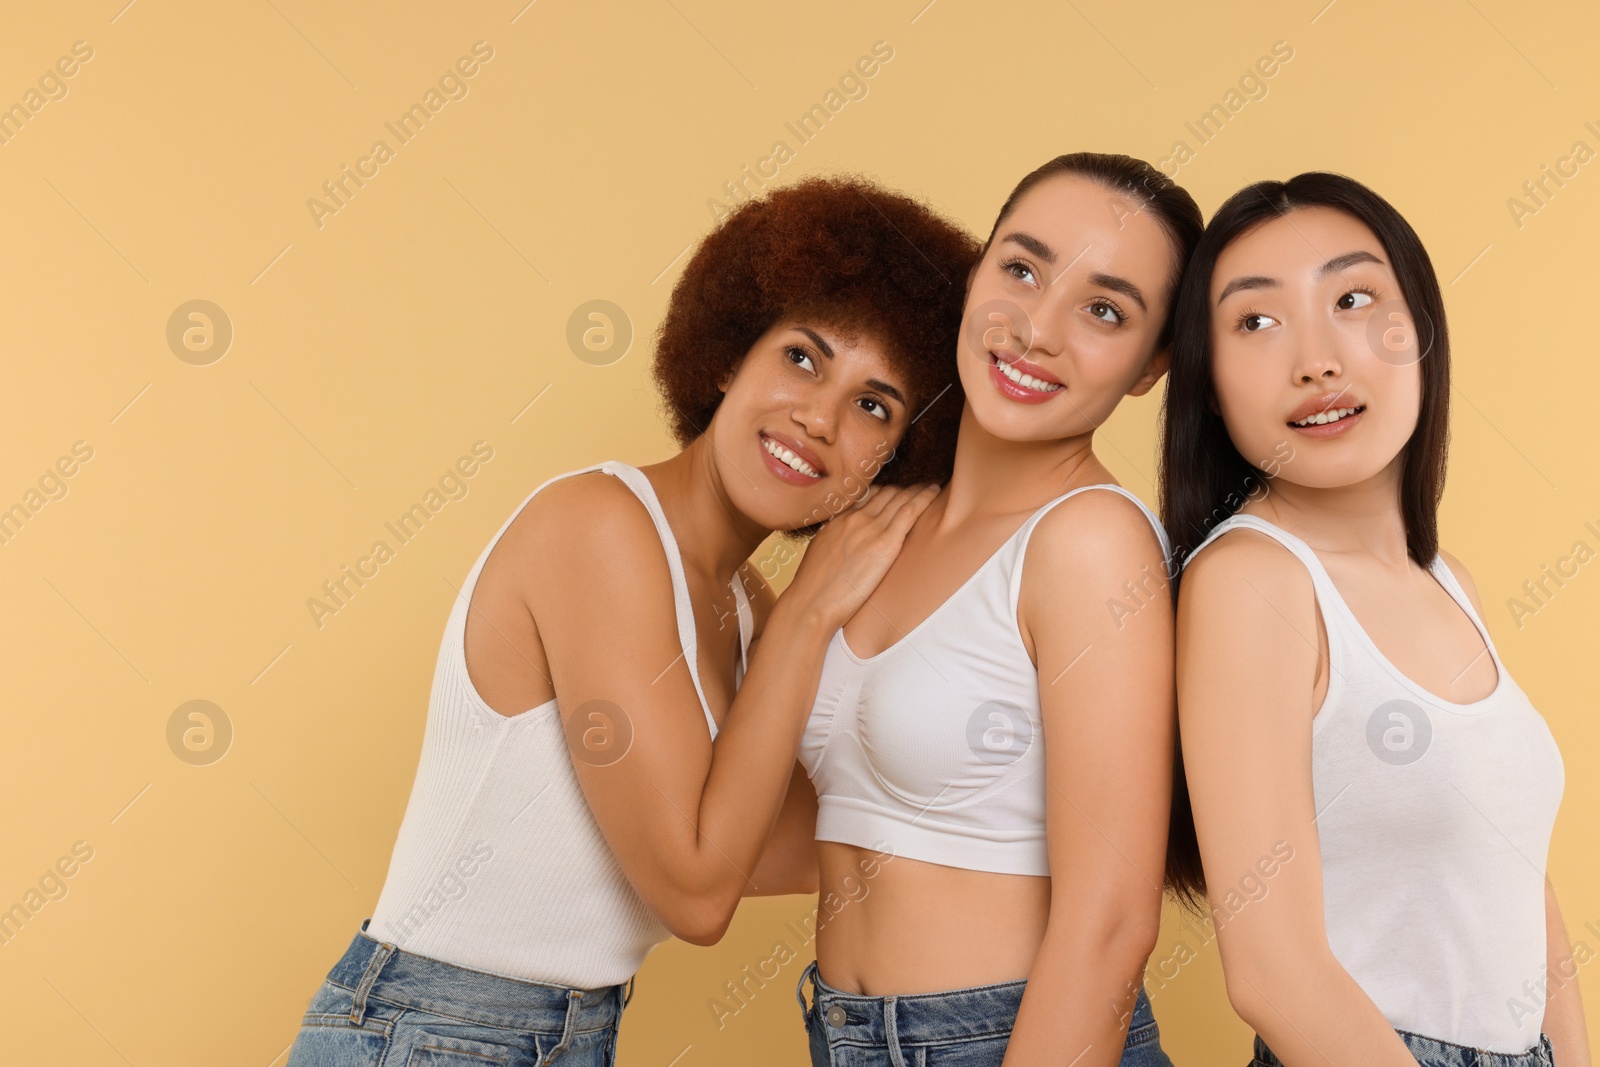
(1015, 390)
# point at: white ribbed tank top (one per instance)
(499, 865)
(1434, 823)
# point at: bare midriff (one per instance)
(889, 925)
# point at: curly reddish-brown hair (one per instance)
(850, 254)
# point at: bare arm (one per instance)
(1247, 657)
(789, 862)
(688, 818)
(1106, 697)
(1563, 1011)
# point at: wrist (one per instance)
(799, 621)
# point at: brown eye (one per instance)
(1100, 308)
(882, 411)
(795, 350)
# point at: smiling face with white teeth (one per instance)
(1309, 335)
(807, 420)
(1064, 311)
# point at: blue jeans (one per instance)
(383, 1006)
(1432, 1053)
(958, 1028)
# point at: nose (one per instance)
(816, 415)
(1047, 321)
(1317, 358)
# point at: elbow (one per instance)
(1118, 936)
(1248, 970)
(699, 919)
(1245, 997)
(1137, 937)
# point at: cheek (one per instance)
(1400, 391)
(866, 446)
(759, 386)
(1245, 398)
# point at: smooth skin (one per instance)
(1252, 654)
(1065, 257)
(575, 602)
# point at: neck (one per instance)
(1364, 517)
(713, 536)
(995, 476)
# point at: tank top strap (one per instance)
(746, 627)
(1026, 532)
(1447, 578)
(1302, 551)
(1344, 630)
(688, 638)
(1321, 580)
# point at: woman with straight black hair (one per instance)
(1372, 794)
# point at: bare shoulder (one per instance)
(1465, 580)
(1245, 574)
(1091, 531)
(1098, 552)
(587, 508)
(589, 528)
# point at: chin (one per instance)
(766, 510)
(1012, 422)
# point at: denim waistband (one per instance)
(927, 1018)
(376, 970)
(1431, 1052)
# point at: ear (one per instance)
(1160, 361)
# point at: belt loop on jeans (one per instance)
(891, 1036)
(810, 973)
(574, 1003)
(628, 996)
(358, 1007)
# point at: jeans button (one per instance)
(835, 1017)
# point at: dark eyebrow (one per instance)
(827, 350)
(1249, 281)
(1032, 244)
(1109, 281)
(817, 340)
(1336, 264)
(1349, 259)
(1121, 285)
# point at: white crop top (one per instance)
(1434, 822)
(499, 865)
(935, 745)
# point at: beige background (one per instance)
(430, 311)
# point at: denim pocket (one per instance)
(329, 1038)
(444, 1050)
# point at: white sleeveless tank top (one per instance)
(1434, 822)
(935, 747)
(499, 865)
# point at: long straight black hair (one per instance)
(1203, 477)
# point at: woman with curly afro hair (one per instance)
(607, 755)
